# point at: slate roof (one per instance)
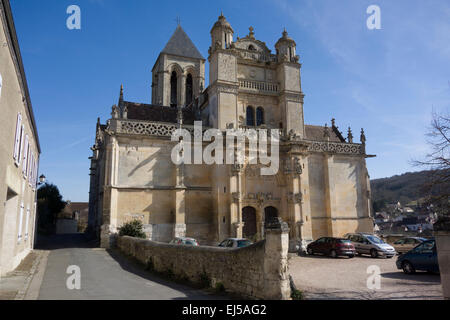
(149, 112)
(315, 133)
(181, 45)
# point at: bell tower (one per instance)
(221, 33)
(178, 75)
(289, 77)
(223, 88)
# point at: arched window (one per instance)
(250, 116)
(173, 90)
(188, 89)
(251, 48)
(259, 116)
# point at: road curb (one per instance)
(32, 284)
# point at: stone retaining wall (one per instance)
(259, 271)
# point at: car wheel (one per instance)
(310, 251)
(333, 254)
(351, 256)
(374, 253)
(408, 267)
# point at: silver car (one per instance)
(235, 243)
(366, 243)
(184, 241)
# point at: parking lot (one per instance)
(320, 277)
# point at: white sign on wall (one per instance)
(0, 86)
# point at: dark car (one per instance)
(423, 257)
(333, 247)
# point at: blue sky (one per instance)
(386, 81)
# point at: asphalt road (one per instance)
(104, 275)
(321, 277)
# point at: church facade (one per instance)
(321, 187)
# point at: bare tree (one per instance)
(438, 162)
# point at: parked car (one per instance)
(333, 247)
(184, 241)
(235, 243)
(423, 257)
(403, 245)
(366, 243)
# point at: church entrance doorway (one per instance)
(270, 213)
(249, 219)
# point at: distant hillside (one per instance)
(405, 188)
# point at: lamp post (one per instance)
(42, 179)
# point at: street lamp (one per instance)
(41, 180)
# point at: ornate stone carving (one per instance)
(236, 196)
(336, 147)
(294, 197)
(363, 137)
(349, 135)
(288, 168)
(146, 128)
(236, 168)
(298, 166)
(226, 89)
(115, 112)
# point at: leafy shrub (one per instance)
(296, 295)
(220, 287)
(133, 229)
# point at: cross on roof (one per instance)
(178, 20)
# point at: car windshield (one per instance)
(375, 239)
(243, 243)
(344, 241)
(191, 242)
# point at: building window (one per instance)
(250, 116)
(173, 90)
(26, 150)
(27, 221)
(19, 234)
(189, 89)
(18, 139)
(259, 116)
(251, 48)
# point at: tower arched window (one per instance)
(189, 90)
(250, 116)
(251, 48)
(173, 89)
(259, 116)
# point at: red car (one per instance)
(333, 247)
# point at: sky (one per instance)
(387, 81)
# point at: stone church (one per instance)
(321, 188)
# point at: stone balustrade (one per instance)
(258, 86)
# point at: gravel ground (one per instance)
(322, 277)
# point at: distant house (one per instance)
(73, 218)
(381, 217)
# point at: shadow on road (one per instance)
(63, 241)
(127, 264)
(133, 266)
(431, 278)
